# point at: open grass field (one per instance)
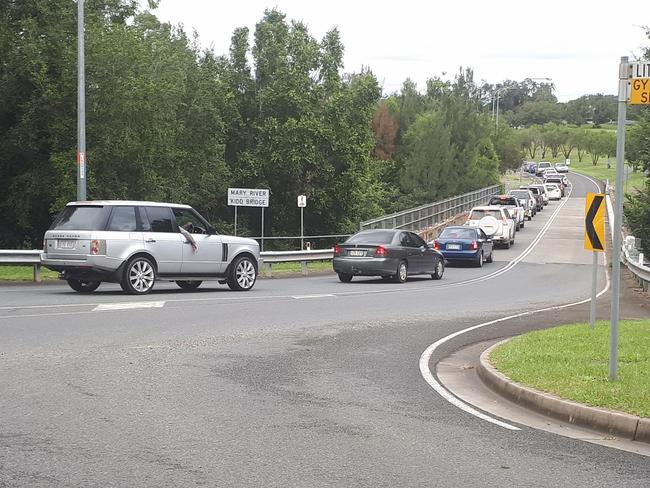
(572, 362)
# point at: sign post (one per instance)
(594, 241)
(302, 203)
(249, 197)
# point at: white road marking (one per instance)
(322, 295)
(127, 306)
(425, 358)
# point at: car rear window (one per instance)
(372, 237)
(520, 194)
(478, 214)
(81, 217)
(503, 201)
(457, 233)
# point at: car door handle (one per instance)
(150, 240)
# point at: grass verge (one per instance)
(24, 273)
(572, 362)
(281, 269)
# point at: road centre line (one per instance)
(322, 295)
(127, 306)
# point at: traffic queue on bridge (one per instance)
(396, 254)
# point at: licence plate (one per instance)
(356, 253)
(454, 247)
(65, 244)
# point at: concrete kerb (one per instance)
(607, 421)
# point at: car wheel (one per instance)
(189, 285)
(402, 272)
(490, 257)
(530, 217)
(83, 286)
(139, 276)
(243, 274)
(479, 260)
(345, 277)
(523, 223)
(439, 271)
(507, 244)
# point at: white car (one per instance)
(553, 190)
(561, 168)
(543, 166)
(514, 207)
(496, 222)
(527, 199)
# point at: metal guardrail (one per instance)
(18, 258)
(630, 256)
(428, 215)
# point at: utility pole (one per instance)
(623, 80)
(81, 105)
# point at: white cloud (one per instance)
(576, 43)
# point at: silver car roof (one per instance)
(127, 202)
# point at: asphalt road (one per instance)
(301, 382)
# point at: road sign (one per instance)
(640, 83)
(595, 222)
(640, 91)
(248, 197)
(302, 201)
(640, 69)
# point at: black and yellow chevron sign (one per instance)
(595, 222)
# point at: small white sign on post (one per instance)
(568, 161)
(302, 201)
(248, 197)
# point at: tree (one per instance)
(553, 137)
(597, 144)
(385, 129)
(637, 144)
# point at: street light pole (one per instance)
(81, 105)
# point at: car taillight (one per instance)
(337, 250)
(381, 252)
(436, 245)
(97, 247)
(474, 245)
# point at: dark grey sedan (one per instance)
(389, 253)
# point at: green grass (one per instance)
(512, 180)
(295, 268)
(572, 362)
(24, 273)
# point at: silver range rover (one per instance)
(136, 244)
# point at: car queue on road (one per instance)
(395, 254)
(136, 244)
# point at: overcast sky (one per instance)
(577, 43)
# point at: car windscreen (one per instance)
(478, 214)
(81, 217)
(372, 237)
(458, 233)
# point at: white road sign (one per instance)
(248, 197)
(641, 70)
(302, 200)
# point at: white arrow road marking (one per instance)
(127, 306)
